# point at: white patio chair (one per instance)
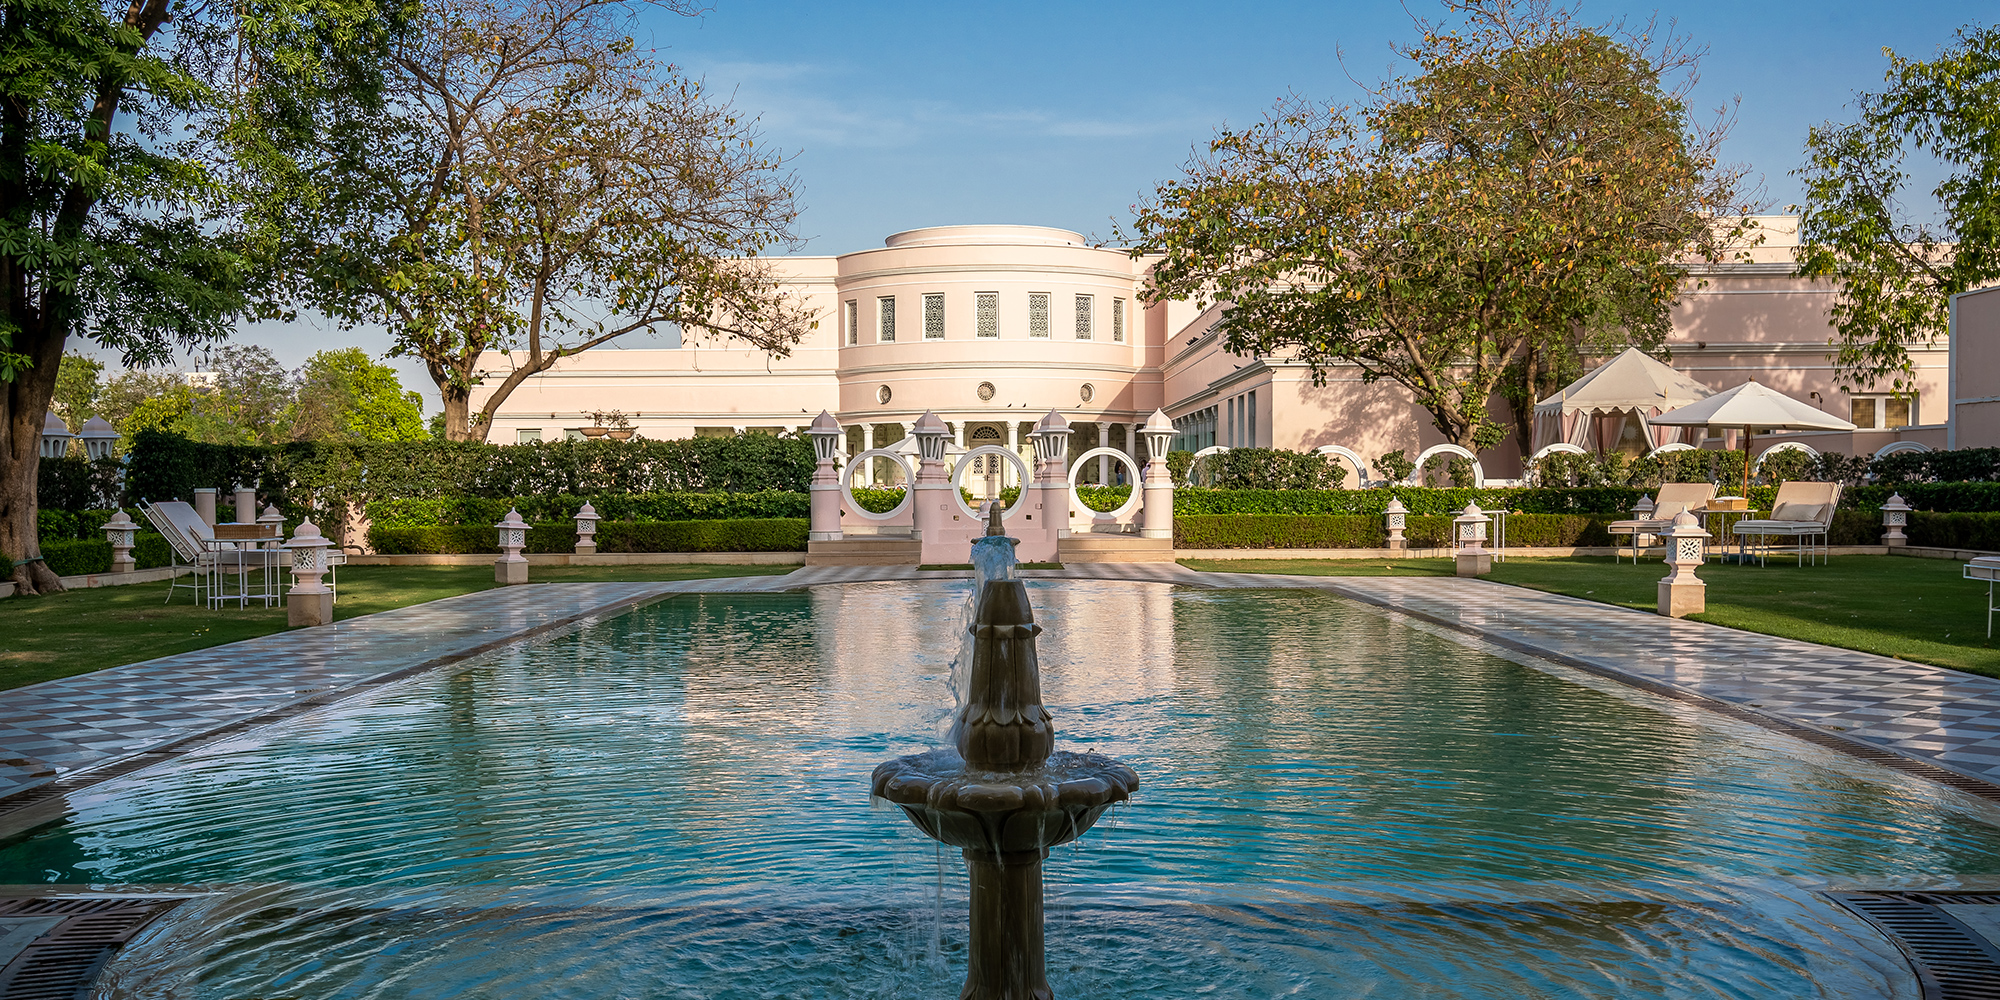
(1802, 512)
(1673, 498)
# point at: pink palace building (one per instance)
(991, 327)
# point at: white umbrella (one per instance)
(1748, 407)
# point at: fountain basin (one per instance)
(1003, 812)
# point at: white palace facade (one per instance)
(991, 327)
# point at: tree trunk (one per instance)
(23, 403)
(457, 412)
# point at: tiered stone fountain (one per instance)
(1004, 797)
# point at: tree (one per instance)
(541, 188)
(250, 399)
(112, 220)
(75, 398)
(1531, 185)
(1896, 273)
(344, 396)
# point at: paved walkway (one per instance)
(65, 732)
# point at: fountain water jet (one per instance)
(1004, 796)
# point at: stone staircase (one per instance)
(865, 550)
(1109, 548)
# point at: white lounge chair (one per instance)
(1673, 498)
(189, 542)
(1801, 511)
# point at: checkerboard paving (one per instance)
(58, 728)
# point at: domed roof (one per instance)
(933, 236)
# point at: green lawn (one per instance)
(84, 630)
(1916, 609)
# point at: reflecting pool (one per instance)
(673, 803)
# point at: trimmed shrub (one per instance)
(1963, 530)
(742, 535)
(150, 550)
(1420, 500)
(1352, 531)
(682, 506)
(1103, 499)
(1279, 531)
(77, 556)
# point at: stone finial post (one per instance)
(1051, 438)
(931, 504)
(826, 434)
(1681, 592)
(310, 601)
(586, 530)
(276, 520)
(119, 531)
(1469, 531)
(246, 504)
(512, 566)
(1895, 515)
(204, 504)
(1396, 517)
(1157, 517)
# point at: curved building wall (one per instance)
(971, 307)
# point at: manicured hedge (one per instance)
(1419, 500)
(1953, 530)
(81, 556)
(1354, 531)
(679, 506)
(743, 535)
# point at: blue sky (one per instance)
(900, 115)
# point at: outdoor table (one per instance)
(1718, 523)
(238, 552)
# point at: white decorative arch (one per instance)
(1898, 447)
(1214, 449)
(1131, 502)
(847, 488)
(965, 463)
(1782, 446)
(1560, 447)
(1360, 467)
(1676, 446)
(1478, 471)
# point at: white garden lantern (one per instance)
(274, 522)
(1895, 516)
(1681, 592)
(1469, 531)
(120, 531)
(99, 438)
(55, 436)
(512, 566)
(1643, 510)
(826, 433)
(310, 601)
(1396, 517)
(586, 530)
(1051, 438)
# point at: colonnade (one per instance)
(1015, 439)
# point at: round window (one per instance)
(882, 395)
(1087, 392)
(985, 391)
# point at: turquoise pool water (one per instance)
(673, 804)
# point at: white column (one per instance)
(1132, 442)
(867, 442)
(1104, 461)
(1013, 442)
